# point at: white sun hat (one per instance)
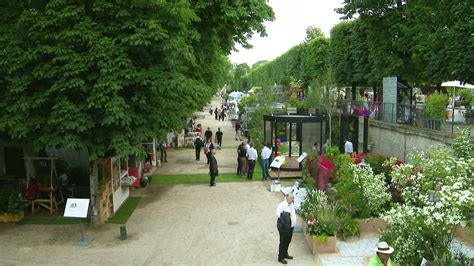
(383, 247)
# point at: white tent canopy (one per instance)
(456, 83)
(236, 94)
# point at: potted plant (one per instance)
(11, 209)
(435, 110)
(320, 222)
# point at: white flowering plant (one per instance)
(373, 187)
(437, 196)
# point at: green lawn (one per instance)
(58, 220)
(204, 178)
(125, 211)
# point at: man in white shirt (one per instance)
(252, 158)
(266, 153)
(286, 222)
(348, 148)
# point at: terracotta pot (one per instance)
(8, 218)
(328, 246)
(318, 247)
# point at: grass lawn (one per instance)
(125, 211)
(58, 220)
(204, 178)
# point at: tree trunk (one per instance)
(94, 189)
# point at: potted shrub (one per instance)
(435, 110)
(11, 209)
(320, 222)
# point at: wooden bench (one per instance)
(50, 204)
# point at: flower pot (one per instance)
(9, 218)
(327, 246)
(317, 246)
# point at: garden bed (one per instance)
(11, 218)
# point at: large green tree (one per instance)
(107, 75)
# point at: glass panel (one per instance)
(311, 134)
(268, 131)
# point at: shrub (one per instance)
(436, 106)
(376, 161)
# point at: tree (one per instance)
(313, 32)
(108, 75)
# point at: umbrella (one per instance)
(236, 94)
(456, 83)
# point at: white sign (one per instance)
(277, 162)
(302, 156)
(76, 208)
(128, 180)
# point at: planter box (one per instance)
(318, 247)
(9, 218)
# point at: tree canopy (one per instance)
(107, 75)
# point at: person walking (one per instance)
(265, 154)
(163, 154)
(219, 135)
(208, 134)
(208, 149)
(241, 159)
(198, 143)
(213, 170)
(237, 131)
(252, 157)
(286, 215)
(215, 113)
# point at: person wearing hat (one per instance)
(383, 255)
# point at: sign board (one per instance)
(277, 162)
(291, 110)
(127, 180)
(302, 156)
(76, 208)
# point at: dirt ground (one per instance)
(230, 224)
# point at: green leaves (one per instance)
(108, 76)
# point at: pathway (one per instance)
(183, 161)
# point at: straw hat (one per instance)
(383, 247)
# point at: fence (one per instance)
(413, 114)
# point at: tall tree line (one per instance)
(423, 42)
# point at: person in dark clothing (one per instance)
(198, 143)
(213, 170)
(286, 221)
(208, 134)
(215, 113)
(208, 149)
(219, 135)
(237, 131)
(163, 154)
(241, 159)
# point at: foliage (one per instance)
(373, 188)
(436, 106)
(319, 214)
(423, 42)
(376, 162)
(333, 152)
(9, 202)
(436, 188)
(293, 101)
(107, 76)
(462, 146)
(325, 218)
(313, 32)
(304, 62)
